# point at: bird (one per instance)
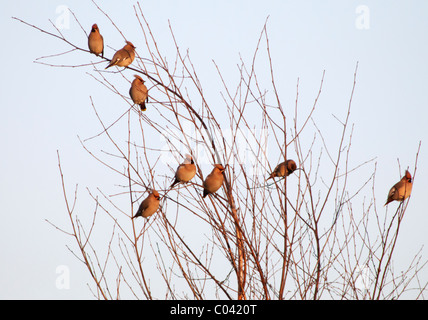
(139, 93)
(124, 56)
(283, 169)
(96, 41)
(214, 180)
(149, 205)
(185, 171)
(401, 190)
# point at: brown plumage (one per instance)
(214, 180)
(96, 41)
(149, 205)
(283, 169)
(139, 93)
(185, 171)
(124, 56)
(401, 190)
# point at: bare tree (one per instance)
(310, 235)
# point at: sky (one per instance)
(45, 109)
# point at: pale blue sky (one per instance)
(44, 109)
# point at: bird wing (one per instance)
(391, 194)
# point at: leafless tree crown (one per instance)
(317, 233)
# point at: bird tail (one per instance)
(174, 183)
(143, 106)
(139, 213)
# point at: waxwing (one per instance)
(283, 169)
(149, 205)
(139, 93)
(401, 190)
(124, 56)
(185, 171)
(214, 180)
(96, 41)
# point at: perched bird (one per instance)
(124, 56)
(138, 92)
(96, 41)
(214, 180)
(401, 190)
(283, 169)
(149, 205)
(185, 171)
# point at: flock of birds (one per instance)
(187, 170)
